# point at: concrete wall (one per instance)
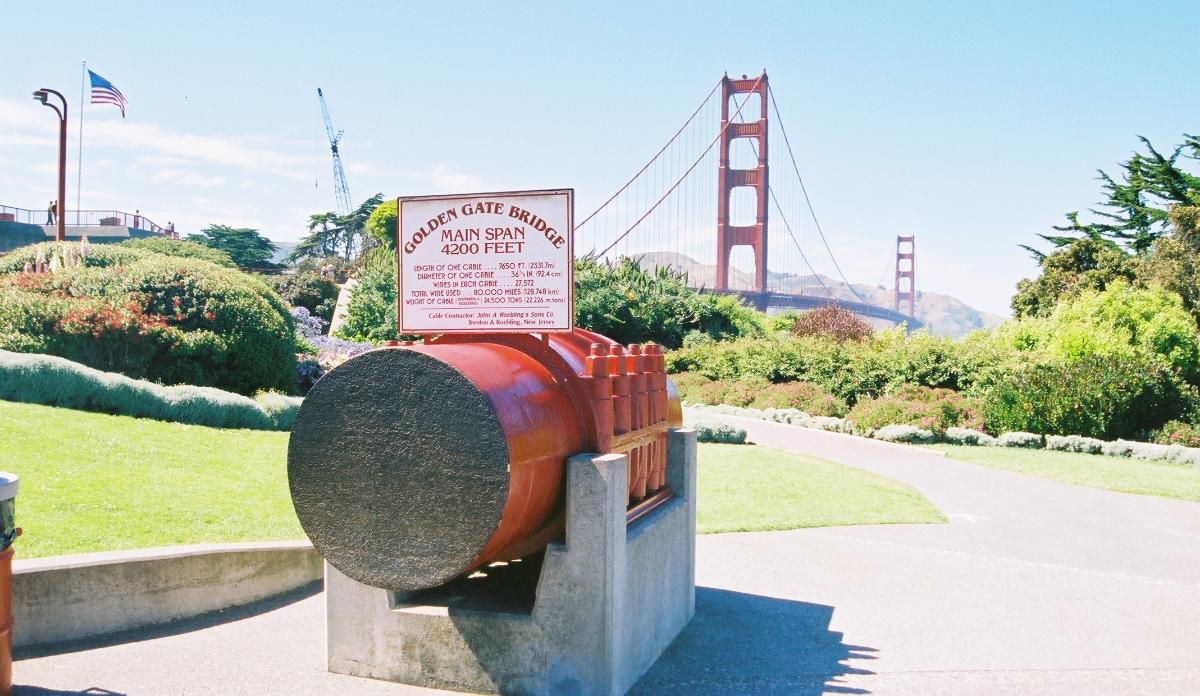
(66, 598)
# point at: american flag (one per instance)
(103, 92)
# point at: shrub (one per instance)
(631, 304)
(803, 396)
(371, 315)
(967, 436)
(686, 382)
(180, 248)
(1120, 322)
(905, 433)
(308, 289)
(1074, 443)
(932, 409)
(855, 370)
(1178, 433)
(832, 322)
(1018, 439)
(54, 381)
(172, 320)
(721, 433)
(1096, 396)
(96, 255)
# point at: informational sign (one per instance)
(486, 262)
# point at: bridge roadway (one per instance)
(762, 300)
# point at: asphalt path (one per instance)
(1032, 587)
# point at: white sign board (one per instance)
(486, 262)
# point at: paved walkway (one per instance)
(1033, 587)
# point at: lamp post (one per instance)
(60, 233)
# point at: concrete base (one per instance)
(608, 600)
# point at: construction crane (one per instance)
(341, 189)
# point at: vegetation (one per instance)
(743, 489)
(308, 289)
(756, 392)
(92, 482)
(181, 248)
(620, 300)
(721, 433)
(330, 234)
(371, 315)
(631, 304)
(246, 247)
(149, 316)
(833, 322)
(381, 225)
(1163, 479)
(930, 409)
(44, 379)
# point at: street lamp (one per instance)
(41, 96)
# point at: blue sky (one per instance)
(974, 126)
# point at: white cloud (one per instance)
(184, 178)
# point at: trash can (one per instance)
(8, 532)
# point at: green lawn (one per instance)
(1110, 473)
(92, 482)
(749, 488)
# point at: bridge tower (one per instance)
(754, 236)
(906, 270)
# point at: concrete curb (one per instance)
(855, 438)
(66, 598)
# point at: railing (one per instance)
(87, 218)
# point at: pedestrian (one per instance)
(51, 211)
(137, 219)
(170, 230)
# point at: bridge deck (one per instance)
(762, 300)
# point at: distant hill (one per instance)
(942, 314)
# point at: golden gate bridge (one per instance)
(711, 188)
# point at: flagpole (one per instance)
(79, 168)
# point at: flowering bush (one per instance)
(1178, 433)
(167, 319)
(932, 409)
(327, 352)
(832, 322)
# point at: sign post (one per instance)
(486, 262)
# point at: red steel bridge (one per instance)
(710, 189)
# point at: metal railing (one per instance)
(87, 218)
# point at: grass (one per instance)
(1164, 479)
(748, 488)
(94, 482)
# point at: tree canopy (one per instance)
(330, 234)
(244, 245)
(1136, 206)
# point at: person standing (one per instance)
(51, 211)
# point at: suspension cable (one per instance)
(652, 159)
(807, 200)
(679, 181)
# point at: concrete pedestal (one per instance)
(608, 600)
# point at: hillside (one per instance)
(942, 314)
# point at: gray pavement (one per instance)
(1033, 587)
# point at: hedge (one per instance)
(54, 381)
(145, 315)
